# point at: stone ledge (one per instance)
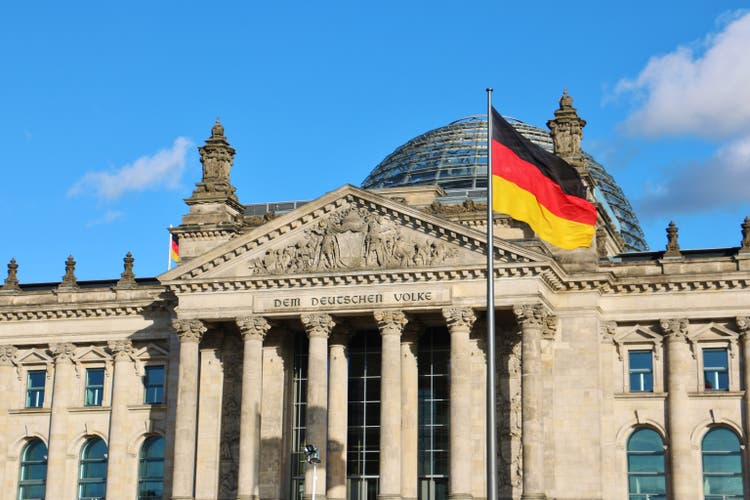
(641, 395)
(30, 411)
(718, 394)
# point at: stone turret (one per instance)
(567, 131)
(215, 212)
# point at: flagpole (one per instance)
(491, 396)
(169, 249)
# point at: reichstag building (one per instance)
(355, 323)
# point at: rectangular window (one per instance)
(94, 386)
(153, 382)
(641, 370)
(715, 369)
(35, 388)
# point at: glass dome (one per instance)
(455, 158)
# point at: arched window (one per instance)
(722, 465)
(151, 469)
(646, 480)
(33, 474)
(92, 473)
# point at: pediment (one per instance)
(348, 230)
(34, 357)
(150, 351)
(91, 354)
(712, 331)
(637, 335)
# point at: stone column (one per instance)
(391, 323)
(7, 397)
(409, 415)
(460, 320)
(680, 372)
(318, 328)
(531, 317)
(253, 330)
(338, 400)
(119, 430)
(477, 344)
(62, 398)
(274, 438)
(743, 327)
(190, 332)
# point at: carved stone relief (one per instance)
(229, 446)
(508, 373)
(353, 238)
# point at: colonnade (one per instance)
(326, 416)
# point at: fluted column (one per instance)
(7, 358)
(460, 321)
(190, 333)
(337, 413)
(253, 330)
(409, 415)
(679, 375)
(61, 399)
(390, 323)
(318, 328)
(531, 319)
(122, 352)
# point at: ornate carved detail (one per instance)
(127, 278)
(567, 130)
(673, 247)
(8, 355)
(675, 328)
(549, 328)
(743, 325)
(79, 311)
(459, 318)
(353, 238)
(229, 441)
(69, 280)
(530, 315)
(259, 220)
(601, 242)
(11, 282)
(217, 157)
(317, 324)
(745, 246)
(122, 350)
(253, 327)
(391, 321)
(468, 206)
(189, 330)
(62, 351)
(608, 331)
(509, 414)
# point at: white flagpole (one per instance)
(491, 396)
(169, 249)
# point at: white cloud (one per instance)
(164, 168)
(705, 94)
(719, 182)
(109, 216)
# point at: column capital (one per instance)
(122, 350)
(318, 324)
(390, 321)
(674, 328)
(63, 352)
(743, 326)
(189, 330)
(459, 318)
(8, 355)
(253, 327)
(530, 315)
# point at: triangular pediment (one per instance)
(33, 357)
(91, 354)
(638, 334)
(712, 331)
(348, 230)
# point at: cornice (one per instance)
(81, 311)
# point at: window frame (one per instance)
(146, 387)
(631, 370)
(84, 461)
(739, 454)
(28, 388)
(704, 370)
(88, 387)
(629, 453)
(141, 460)
(24, 463)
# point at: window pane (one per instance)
(721, 440)
(722, 463)
(640, 360)
(645, 464)
(95, 376)
(645, 440)
(715, 358)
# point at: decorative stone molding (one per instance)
(189, 330)
(318, 324)
(391, 321)
(459, 318)
(62, 351)
(127, 278)
(217, 157)
(673, 247)
(78, 311)
(468, 206)
(122, 350)
(566, 130)
(8, 355)
(530, 315)
(11, 282)
(745, 245)
(675, 329)
(743, 325)
(253, 327)
(69, 280)
(608, 332)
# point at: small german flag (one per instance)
(534, 186)
(174, 248)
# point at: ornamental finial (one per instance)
(127, 278)
(11, 282)
(69, 280)
(673, 247)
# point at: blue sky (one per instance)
(103, 106)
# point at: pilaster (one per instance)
(410, 405)
(122, 353)
(7, 360)
(337, 412)
(58, 429)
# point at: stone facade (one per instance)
(258, 321)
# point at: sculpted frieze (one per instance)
(354, 238)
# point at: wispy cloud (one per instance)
(703, 91)
(109, 216)
(162, 169)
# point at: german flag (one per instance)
(534, 186)
(174, 248)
